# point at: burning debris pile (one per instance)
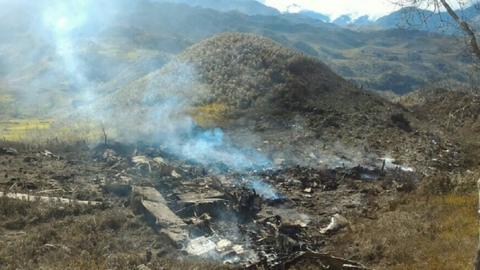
(270, 218)
(257, 218)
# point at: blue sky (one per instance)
(335, 8)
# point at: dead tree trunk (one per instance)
(465, 27)
(105, 136)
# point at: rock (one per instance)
(337, 222)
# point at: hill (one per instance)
(291, 106)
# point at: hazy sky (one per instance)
(335, 8)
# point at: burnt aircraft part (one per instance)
(241, 226)
(249, 204)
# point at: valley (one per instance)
(228, 135)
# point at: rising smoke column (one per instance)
(164, 114)
(62, 19)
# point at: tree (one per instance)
(465, 26)
(473, 42)
(440, 5)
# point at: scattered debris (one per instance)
(141, 161)
(390, 163)
(156, 206)
(337, 222)
(159, 161)
(175, 174)
(110, 156)
(201, 198)
(49, 154)
(223, 245)
(279, 162)
(238, 249)
(8, 151)
(252, 219)
(200, 246)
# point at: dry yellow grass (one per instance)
(43, 130)
(436, 232)
(212, 114)
(20, 129)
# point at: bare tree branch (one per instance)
(465, 27)
(436, 6)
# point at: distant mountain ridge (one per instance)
(405, 18)
(424, 20)
(249, 7)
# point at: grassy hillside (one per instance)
(454, 113)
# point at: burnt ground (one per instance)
(276, 218)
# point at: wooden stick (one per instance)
(32, 198)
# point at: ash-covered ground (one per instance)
(147, 205)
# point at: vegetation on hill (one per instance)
(116, 52)
(456, 114)
(254, 84)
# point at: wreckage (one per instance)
(251, 220)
